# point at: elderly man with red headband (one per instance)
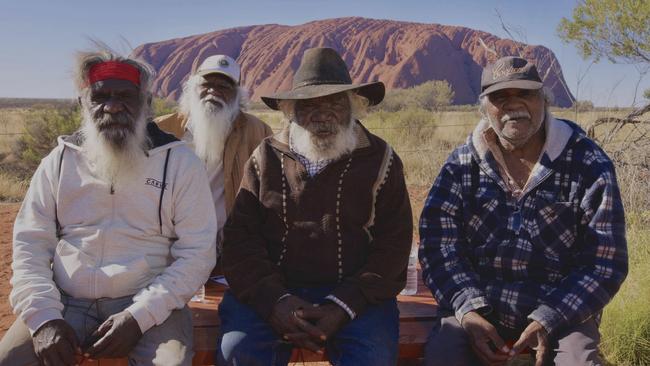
(114, 236)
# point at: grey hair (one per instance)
(86, 60)
(358, 106)
(190, 90)
(547, 94)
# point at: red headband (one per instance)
(113, 70)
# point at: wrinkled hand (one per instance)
(481, 332)
(535, 337)
(298, 331)
(329, 318)
(117, 337)
(55, 343)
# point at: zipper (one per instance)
(103, 241)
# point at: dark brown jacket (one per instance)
(350, 226)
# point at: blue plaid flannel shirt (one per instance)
(557, 255)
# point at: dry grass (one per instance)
(12, 122)
(11, 189)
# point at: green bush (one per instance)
(160, 106)
(42, 127)
(431, 95)
(583, 105)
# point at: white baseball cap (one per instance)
(220, 64)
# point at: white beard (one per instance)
(116, 165)
(210, 127)
(316, 148)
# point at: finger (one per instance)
(66, 352)
(99, 346)
(296, 337)
(51, 358)
(71, 337)
(540, 353)
(310, 329)
(111, 350)
(310, 313)
(497, 340)
(302, 340)
(103, 328)
(522, 343)
(489, 355)
(481, 357)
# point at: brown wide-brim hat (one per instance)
(323, 72)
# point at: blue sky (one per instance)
(39, 37)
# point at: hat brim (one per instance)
(374, 92)
(211, 72)
(513, 84)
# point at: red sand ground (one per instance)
(7, 216)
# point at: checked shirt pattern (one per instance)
(557, 254)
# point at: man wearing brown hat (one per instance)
(316, 247)
(523, 233)
(212, 122)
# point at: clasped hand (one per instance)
(307, 325)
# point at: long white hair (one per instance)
(116, 156)
(210, 125)
(114, 163)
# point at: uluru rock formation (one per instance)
(401, 54)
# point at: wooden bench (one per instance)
(416, 320)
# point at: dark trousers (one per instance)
(370, 339)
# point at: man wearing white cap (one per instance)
(212, 121)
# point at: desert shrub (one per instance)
(42, 127)
(161, 106)
(583, 105)
(12, 189)
(431, 95)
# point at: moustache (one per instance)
(322, 128)
(515, 115)
(214, 99)
(106, 121)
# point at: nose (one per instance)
(321, 115)
(113, 107)
(215, 92)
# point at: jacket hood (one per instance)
(558, 136)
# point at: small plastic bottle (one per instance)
(412, 273)
(199, 296)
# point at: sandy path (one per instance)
(7, 216)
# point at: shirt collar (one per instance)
(558, 134)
